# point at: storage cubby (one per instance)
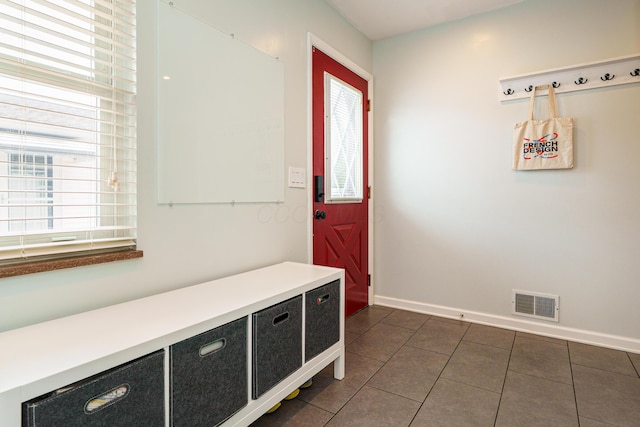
(322, 319)
(277, 344)
(209, 376)
(221, 352)
(123, 396)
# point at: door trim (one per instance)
(313, 40)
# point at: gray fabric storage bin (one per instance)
(277, 344)
(322, 319)
(129, 395)
(209, 376)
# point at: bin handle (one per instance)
(105, 399)
(280, 318)
(212, 347)
(322, 299)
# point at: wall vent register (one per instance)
(537, 305)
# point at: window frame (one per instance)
(329, 157)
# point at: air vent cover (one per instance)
(532, 304)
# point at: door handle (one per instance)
(319, 214)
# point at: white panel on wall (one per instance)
(220, 115)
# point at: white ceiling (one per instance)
(379, 19)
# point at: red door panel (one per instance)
(340, 239)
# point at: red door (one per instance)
(340, 224)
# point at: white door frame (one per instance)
(313, 40)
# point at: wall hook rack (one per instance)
(609, 72)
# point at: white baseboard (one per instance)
(549, 330)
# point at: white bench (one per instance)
(44, 357)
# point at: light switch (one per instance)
(297, 177)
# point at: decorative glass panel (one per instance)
(343, 133)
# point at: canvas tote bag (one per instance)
(543, 144)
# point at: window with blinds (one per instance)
(343, 133)
(67, 127)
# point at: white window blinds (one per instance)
(67, 127)
(344, 141)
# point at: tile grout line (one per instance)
(441, 371)
(396, 352)
(377, 370)
(573, 384)
(633, 364)
(595, 368)
(504, 380)
(356, 392)
(415, 331)
(345, 350)
(384, 363)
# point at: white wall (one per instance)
(185, 245)
(455, 226)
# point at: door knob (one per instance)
(320, 214)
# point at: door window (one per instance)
(343, 145)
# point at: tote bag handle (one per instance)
(552, 101)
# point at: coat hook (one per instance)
(636, 72)
(581, 81)
(555, 84)
(509, 92)
(607, 77)
(528, 89)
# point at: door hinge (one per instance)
(368, 192)
(368, 105)
(368, 280)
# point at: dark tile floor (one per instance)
(410, 369)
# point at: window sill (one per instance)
(59, 264)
